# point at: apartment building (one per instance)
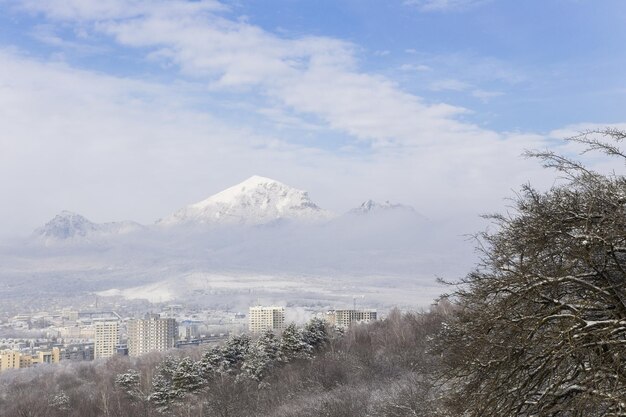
(152, 334)
(13, 359)
(344, 318)
(261, 318)
(107, 337)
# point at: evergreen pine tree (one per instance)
(234, 352)
(291, 345)
(186, 378)
(130, 382)
(262, 356)
(315, 334)
(211, 362)
(269, 344)
(163, 394)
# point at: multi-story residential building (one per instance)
(262, 318)
(76, 332)
(188, 330)
(344, 318)
(107, 337)
(77, 352)
(69, 314)
(151, 334)
(13, 359)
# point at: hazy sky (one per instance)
(130, 109)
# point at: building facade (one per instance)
(13, 359)
(344, 318)
(263, 318)
(152, 334)
(77, 352)
(106, 338)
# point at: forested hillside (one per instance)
(378, 369)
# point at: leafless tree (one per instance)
(541, 324)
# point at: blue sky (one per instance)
(131, 109)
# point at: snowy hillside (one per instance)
(257, 200)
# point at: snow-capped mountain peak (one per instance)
(371, 206)
(257, 200)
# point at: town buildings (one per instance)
(72, 335)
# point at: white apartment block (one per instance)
(344, 318)
(106, 338)
(262, 318)
(152, 334)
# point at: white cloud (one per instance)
(477, 69)
(47, 34)
(316, 76)
(414, 67)
(113, 148)
(486, 95)
(445, 5)
(89, 10)
(452, 84)
(449, 84)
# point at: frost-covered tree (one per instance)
(315, 333)
(269, 344)
(541, 324)
(262, 356)
(60, 402)
(292, 345)
(187, 378)
(234, 351)
(212, 361)
(130, 383)
(161, 396)
(255, 364)
(163, 392)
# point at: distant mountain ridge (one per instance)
(371, 206)
(253, 202)
(259, 238)
(70, 226)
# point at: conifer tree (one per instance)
(263, 355)
(130, 383)
(291, 345)
(163, 393)
(212, 361)
(186, 378)
(315, 333)
(234, 352)
(269, 344)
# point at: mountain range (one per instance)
(258, 240)
(253, 202)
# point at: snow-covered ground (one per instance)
(283, 289)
